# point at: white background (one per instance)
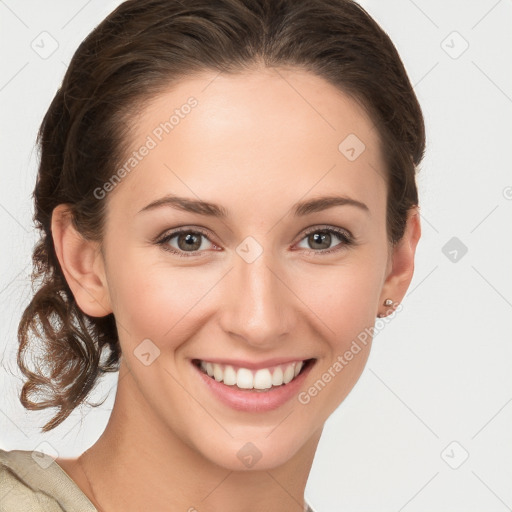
(439, 374)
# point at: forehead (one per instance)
(268, 137)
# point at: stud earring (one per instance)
(387, 302)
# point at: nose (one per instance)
(258, 306)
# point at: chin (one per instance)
(258, 450)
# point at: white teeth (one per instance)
(277, 377)
(218, 374)
(289, 373)
(262, 379)
(229, 376)
(244, 378)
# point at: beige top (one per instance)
(31, 481)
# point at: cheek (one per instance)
(155, 300)
(344, 297)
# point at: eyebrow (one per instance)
(299, 209)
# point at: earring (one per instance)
(387, 302)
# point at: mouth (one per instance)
(261, 380)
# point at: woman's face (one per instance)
(259, 282)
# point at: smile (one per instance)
(245, 378)
(261, 388)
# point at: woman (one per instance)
(227, 201)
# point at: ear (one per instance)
(401, 263)
(82, 264)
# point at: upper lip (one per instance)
(254, 365)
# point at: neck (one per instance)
(140, 464)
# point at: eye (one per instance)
(192, 242)
(185, 241)
(320, 240)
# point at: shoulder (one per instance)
(30, 481)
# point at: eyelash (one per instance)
(346, 238)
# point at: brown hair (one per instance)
(140, 49)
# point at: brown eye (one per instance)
(321, 240)
(185, 241)
(189, 241)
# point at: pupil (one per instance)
(319, 238)
(191, 241)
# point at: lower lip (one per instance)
(251, 400)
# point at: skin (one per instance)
(256, 143)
